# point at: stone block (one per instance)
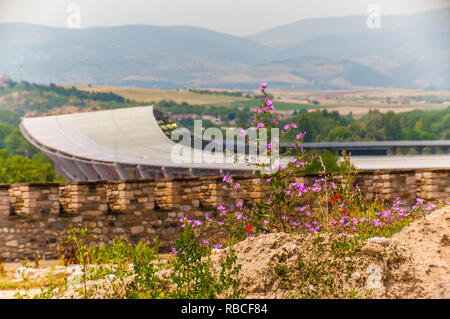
(137, 229)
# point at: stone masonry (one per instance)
(35, 217)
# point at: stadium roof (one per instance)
(137, 136)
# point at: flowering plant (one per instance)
(287, 205)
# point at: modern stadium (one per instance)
(125, 143)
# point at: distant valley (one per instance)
(328, 53)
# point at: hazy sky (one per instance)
(237, 17)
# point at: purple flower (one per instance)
(242, 132)
(236, 186)
(299, 136)
(376, 222)
(183, 220)
(218, 246)
(222, 210)
(227, 178)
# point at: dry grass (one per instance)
(154, 95)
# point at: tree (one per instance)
(16, 144)
(10, 117)
(17, 169)
(5, 130)
(392, 127)
(340, 134)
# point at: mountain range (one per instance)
(322, 53)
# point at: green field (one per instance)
(281, 106)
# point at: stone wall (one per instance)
(35, 217)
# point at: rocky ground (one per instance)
(414, 263)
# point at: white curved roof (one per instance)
(126, 135)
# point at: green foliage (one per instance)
(147, 284)
(374, 126)
(241, 115)
(329, 159)
(213, 92)
(77, 236)
(134, 271)
(19, 160)
(339, 134)
(16, 169)
(10, 117)
(5, 130)
(16, 144)
(42, 158)
(282, 106)
(42, 98)
(317, 124)
(192, 271)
